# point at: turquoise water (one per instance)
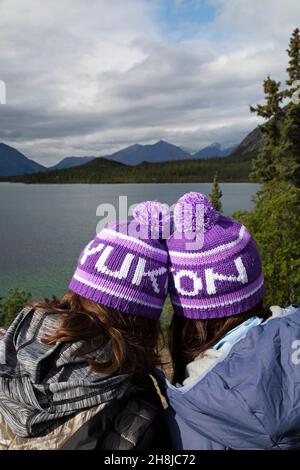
(44, 227)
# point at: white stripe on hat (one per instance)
(123, 236)
(217, 249)
(220, 304)
(114, 293)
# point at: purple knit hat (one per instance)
(125, 267)
(220, 277)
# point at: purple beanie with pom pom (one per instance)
(222, 275)
(125, 267)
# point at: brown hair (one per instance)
(189, 338)
(133, 338)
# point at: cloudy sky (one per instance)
(88, 77)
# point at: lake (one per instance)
(44, 227)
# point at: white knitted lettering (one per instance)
(197, 283)
(88, 252)
(140, 273)
(122, 273)
(153, 275)
(211, 277)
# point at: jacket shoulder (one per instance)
(248, 399)
(132, 422)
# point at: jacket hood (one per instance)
(250, 399)
(41, 385)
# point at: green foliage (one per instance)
(103, 171)
(11, 306)
(216, 194)
(275, 225)
(290, 132)
(166, 316)
(289, 149)
(294, 55)
(273, 99)
(279, 156)
(275, 221)
(265, 167)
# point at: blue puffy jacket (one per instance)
(250, 399)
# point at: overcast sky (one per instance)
(88, 77)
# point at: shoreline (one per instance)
(126, 182)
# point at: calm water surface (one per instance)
(44, 227)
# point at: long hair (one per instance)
(189, 338)
(131, 340)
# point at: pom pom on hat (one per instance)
(218, 274)
(154, 215)
(125, 267)
(194, 213)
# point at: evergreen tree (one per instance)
(294, 55)
(290, 132)
(265, 166)
(288, 152)
(279, 156)
(275, 220)
(216, 194)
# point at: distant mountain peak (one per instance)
(164, 143)
(134, 146)
(5, 146)
(13, 162)
(160, 151)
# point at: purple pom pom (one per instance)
(194, 213)
(156, 216)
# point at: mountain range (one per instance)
(14, 163)
(165, 152)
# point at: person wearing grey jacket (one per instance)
(75, 372)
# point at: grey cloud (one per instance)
(73, 89)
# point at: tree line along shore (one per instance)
(102, 170)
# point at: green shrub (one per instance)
(275, 225)
(12, 305)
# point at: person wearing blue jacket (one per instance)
(236, 372)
